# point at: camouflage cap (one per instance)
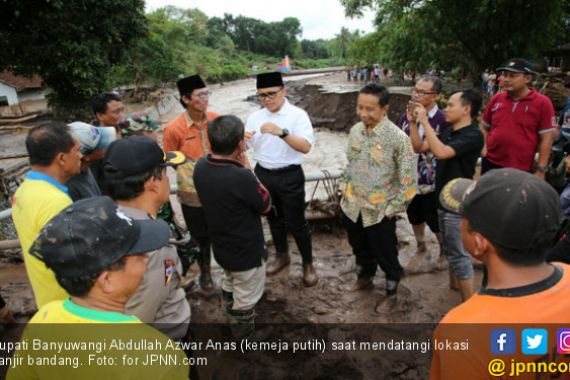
(137, 123)
(90, 235)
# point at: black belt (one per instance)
(281, 170)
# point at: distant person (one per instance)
(136, 178)
(457, 151)
(99, 256)
(281, 134)
(93, 143)
(423, 209)
(55, 158)
(109, 110)
(491, 83)
(378, 184)
(508, 220)
(517, 123)
(234, 201)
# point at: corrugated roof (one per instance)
(19, 82)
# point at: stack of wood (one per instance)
(556, 86)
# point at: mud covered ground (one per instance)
(423, 298)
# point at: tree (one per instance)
(473, 34)
(343, 40)
(71, 44)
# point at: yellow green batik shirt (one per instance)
(378, 180)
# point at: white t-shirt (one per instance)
(271, 151)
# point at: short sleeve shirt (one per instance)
(271, 151)
(66, 326)
(159, 299)
(233, 201)
(539, 305)
(515, 126)
(467, 143)
(37, 200)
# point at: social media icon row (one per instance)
(533, 341)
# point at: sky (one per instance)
(319, 18)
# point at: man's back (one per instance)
(539, 305)
(35, 202)
(233, 201)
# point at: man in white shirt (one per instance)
(281, 134)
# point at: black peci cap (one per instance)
(273, 79)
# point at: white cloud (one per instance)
(319, 18)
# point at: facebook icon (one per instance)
(503, 341)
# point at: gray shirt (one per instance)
(159, 300)
(83, 186)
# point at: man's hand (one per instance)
(567, 160)
(420, 114)
(248, 135)
(410, 113)
(271, 128)
(539, 174)
(242, 158)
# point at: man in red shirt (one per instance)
(517, 123)
(188, 133)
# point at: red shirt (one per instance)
(514, 128)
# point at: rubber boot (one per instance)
(242, 323)
(227, 300)
(204, 259)
(281, 258)
(304, 245)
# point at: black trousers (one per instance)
(287, 189)
(487, 165)
(373, 246)
(196, 223)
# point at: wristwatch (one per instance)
(542, 168)
(284, 133)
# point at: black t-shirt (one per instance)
(467, 143)
(233, 200)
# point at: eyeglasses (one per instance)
(203, 95)
(267, 95)
(422, 92)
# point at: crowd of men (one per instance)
(95, 248)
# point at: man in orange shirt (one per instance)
(509, 219)
(188, 133)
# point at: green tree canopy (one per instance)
(474, 34)
(71, 44)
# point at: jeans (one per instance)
(459, 260)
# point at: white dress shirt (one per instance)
(271, 151)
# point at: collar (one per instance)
(38, 176)
(96, 315)
(377, 130)
(531, 95)
(527, 290)
(190, 122)
(432, 112)
(222, 161)
(135, 213)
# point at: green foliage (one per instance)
(472, 34)
(274, 38)
(71, 44)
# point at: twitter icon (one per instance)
(534, 341)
